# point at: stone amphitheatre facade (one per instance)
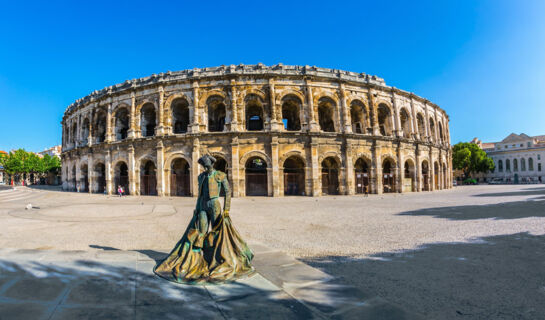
(276, 130)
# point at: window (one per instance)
(515, 165)
(507, 165)
(531, 164)
(529, 144)
(522, 164)
(521, 144)
(500, 166)
(538, 157)
(506, 146)
(539, 167)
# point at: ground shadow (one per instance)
(497, 277)
(525, 192)
(157, 256)
(87, 289)
(505, 210)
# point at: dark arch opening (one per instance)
(388, 176)
(256, 177)
(294, 176)
(180, 115)
(216, 114)
(84, 178)
(425, 176)
(254, 116)
(149, 120)
(180, 178)
(326, 107)
(121, 124)
(100, 174)
(148, 179)
(291, 107)
(408, 176)
(121, 177)
(361, 172)
(330, 176)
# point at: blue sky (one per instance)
(481, 61)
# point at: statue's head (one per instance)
(207, 161)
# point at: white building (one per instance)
(53, 151)
(519, 158)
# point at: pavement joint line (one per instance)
(215, 303)
(61, 298)
(8, 284)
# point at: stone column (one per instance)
(194, 111)
(235, 173)
(346, 111)
(131, 133)
(418, 170)
(398, 132)
(350, 183)
(160, 131)
(108, 167)
(195, 170)
(415, 121)
(132, 171)
(275, 171)
(426, 123)
(432, 171)
(90, 135)
(78, 175)
(109, 124)
(315, 168)
(276, 115)
(90, 172)
(234, 107)
(160, 169)
(399, 169)
(374, 113)
(312, 124)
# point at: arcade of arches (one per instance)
(276, 131)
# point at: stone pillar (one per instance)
(398, 132)
(416, 133)
(418, 170)
(195, 170)
(276, 115)
(160, 169)
(234, 107)
(378, 169)
(78, 175)
(275, 170)
(90, 172)
(432, 171)
(426, 123)
(346, 111)
(312, 124)
(235, 170)
(131, 133)
(315, 168)
(160, 131)
(350, 183)
(399, 169)
(109, 134)
(132, 171)
(194, 111)
(90, 135)
(374, 113)
(108, 167)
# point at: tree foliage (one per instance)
(469, 158)
(20, 161)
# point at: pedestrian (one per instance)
(120, 190)
(366, 188)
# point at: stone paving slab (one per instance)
(115, 284)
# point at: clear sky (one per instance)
(481, 61)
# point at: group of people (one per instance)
(120, 190)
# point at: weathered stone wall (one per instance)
(333, 119)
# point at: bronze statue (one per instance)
(211, 250)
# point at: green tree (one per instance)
(469, 158)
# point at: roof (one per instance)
(513, 137)
(2, 151)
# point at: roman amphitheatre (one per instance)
(275, 130)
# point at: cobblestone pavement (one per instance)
(471, 252)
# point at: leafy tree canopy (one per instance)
(469, 158)
(20, 161)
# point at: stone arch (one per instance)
(405, 121)
(330, 168)
(289, 154)
(384, 117)
(292, 112)
(85, 127)
(286, 92)
(293, 171)
(84, 173)
(179, 171)
(420, 123)
(99, 179)
(331, 154)
(425, 172)
(255, 153)
(143, 103)
(121, 122)
(409, 175)
(359, 116)
(149, 119)
(99, 125)
(326, 111)
(254, 112)
(179, 114)
(256, 175)
(205, 96)
(432, 132)
(175, 155)
(121, 175)
(388, 166)
(216, 110)
(121, 105)
(362, 173)
(148, 176)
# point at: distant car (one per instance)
(454, 183)
(496, 181)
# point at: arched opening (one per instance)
(85, 132)
(100, 175)
(432, 130)
(121, 177)
(294, 176)
(148, 120)
(100, 127)
(522, 164)
(254, 113)
(421, 127)
(445, 176)
(425, 176)
(500, 165)
(441, 137)
(405, 120)
(408, 176)
(180, 115)
(358, 117)
(221, 165)
(216, 114)
(256, 177)
(515, 165)
(121, 124)
(531, 164)
(148, 179)
(384, 120)
(361, 172)
(84, 182)
(291, 107)
(326, 107)
(436, 175)
(74, 181)
(180, 178)
(330, 176)
(74, 134)
(388, 176)
(507, 165)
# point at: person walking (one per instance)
(120, 190)
(366, 188)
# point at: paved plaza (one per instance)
(475, 252)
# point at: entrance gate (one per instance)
(256, 177)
